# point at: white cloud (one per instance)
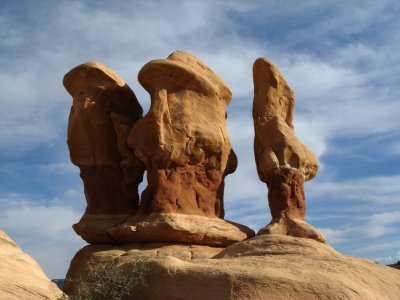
(334, 236)
(391, 259)
(59, 167)
(43, 230)
(378, 190)
(379, 246)
(378, 224)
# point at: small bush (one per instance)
(112, 281)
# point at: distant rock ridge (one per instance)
(396, 265)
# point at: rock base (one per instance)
(93, 257)
(180, 228)
(264, 267)
(93, 228)
(292, 227)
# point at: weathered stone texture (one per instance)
(283, 162)
(103, 111)
(183, 139)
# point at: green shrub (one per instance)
(111, 281)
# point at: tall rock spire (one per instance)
(283, 162)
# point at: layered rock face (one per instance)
(103, 111)
(21, 277)
(264, 267)
(283, 162)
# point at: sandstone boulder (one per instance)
(103, 112)
(91, 258)
(283, 162)
(181, 228)
(263, 267)
(21, 277)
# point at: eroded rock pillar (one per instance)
(103, 111)
(185, 146)
(283, 162)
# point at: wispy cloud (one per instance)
(43, 229)
(379, 190)
(379, 224)
(334, 236)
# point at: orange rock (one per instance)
(104, 110)
(183, 139)
(283, 162)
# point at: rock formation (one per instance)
(104, 110)
(264, 267)
(184, 144)
(21, 277)
(283, 162)
(178, 223)
(183, 138)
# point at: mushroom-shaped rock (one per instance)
(103, 111)
(283, 162)
(183, 142)
(183, 139)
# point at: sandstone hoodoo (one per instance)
(176, 230)
(185, 146)
(283, 162)
(182, 142)
(104, 110)
(183, 138)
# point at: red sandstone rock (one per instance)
(104, 110)
(182, 142)
(283, 162)
(183, 139)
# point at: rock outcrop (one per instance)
(183, 139)
(103, 112)
(21, 277)
(185, 146)
(264, 267)
(283, 162)
(177, 229)
(181, 228)
(182, 142)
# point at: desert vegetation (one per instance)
(112, 281)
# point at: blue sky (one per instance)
(340, 57)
